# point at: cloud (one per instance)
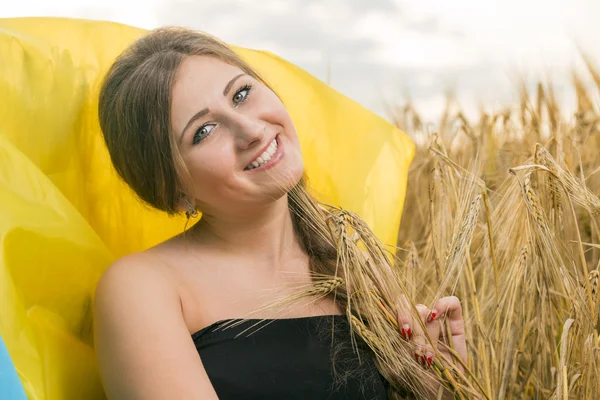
(295, 24)
(391, 48)
(312, 34)
(319, 36)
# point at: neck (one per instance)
(265, 233)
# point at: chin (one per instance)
(286, 180)
(291, 180)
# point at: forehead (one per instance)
(198, 75)
(203, 69)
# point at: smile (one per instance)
(268, 157)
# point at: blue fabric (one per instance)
(10, 385)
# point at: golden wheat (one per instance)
(530, 303)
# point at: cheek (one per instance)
(207, 168)
(282, 119)
(289, 130)
(272, 110)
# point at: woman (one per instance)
(190, 126)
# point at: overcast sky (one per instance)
(383, 50)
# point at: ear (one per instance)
(184, 204)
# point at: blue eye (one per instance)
(203, 132)
(241, 95)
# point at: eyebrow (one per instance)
(205, 111)
(230, 84)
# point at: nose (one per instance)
(249, 131)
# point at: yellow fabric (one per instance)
(64, 215)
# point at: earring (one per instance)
(191, 212)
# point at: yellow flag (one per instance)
(65, 216)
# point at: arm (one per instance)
(144, 348)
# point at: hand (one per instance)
(445, 309)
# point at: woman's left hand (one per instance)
(445, 309)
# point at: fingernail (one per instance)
(429, 358)
(432, 315)
(419, 354)
(406, 331)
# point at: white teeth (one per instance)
(265, 156)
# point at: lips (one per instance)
(265, 156)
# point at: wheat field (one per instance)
(504, 213)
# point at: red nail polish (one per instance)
(429, 361)
(406, 331)
(417, 357)
(432, 315)
(423, 360)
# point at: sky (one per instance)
(381, 53)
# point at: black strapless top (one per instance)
(288, 359)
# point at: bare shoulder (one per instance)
(133, 275)
(137, 308)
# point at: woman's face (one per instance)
(234, 134)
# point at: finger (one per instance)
(405, 319)
(449, 308)
(426, 342)
(418, 337)
(418, 331)
(410, 327)
(451, 311)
